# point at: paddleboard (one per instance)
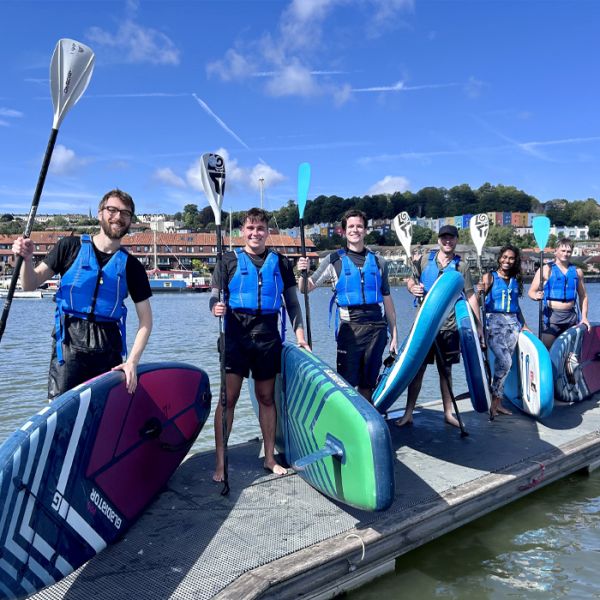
(529, 382)
(77, 474)
(436, 307)
(331, 435)
(473, 360)
(575, 357)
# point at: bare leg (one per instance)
(234, 385)
(267, 417)
(548, 340)
(445, 389)
(411, 397)
(367, 393)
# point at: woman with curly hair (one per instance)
(503, 288)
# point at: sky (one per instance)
(377, 95)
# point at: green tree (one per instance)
(594, 229)
(5, 218)
(422, 235)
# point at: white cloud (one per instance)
(10, 113)
(137, 44)
(233, 66)
(64, 161)
(293, 80)
(168, 177)
(4, 123)
(388, 185)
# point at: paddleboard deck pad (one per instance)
(438, 303)
(575, 357)
(473, 360)
(77, 475)
(331, 435)
(529, 382)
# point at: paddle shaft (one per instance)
(223, 390)
(305, 280)
(28, 228)
(541, 306)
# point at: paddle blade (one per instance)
(479, 226)
(212, 173)
(70, 73)
(403, 228)
(541, 231)
(303, 183)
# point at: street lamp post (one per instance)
(261, 181)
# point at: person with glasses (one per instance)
(97, 274)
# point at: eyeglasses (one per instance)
(113, 210)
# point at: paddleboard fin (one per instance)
(332, 447)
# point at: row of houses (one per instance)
(164, 251)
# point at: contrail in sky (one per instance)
(220, 121)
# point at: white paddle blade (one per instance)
(70, 73)
(212, 173)
(479, 227)
(403, 228)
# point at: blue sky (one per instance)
(378, 95)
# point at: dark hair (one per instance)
(516, 268)
(124, 197)
(353, 212)
(565, 242)
(257, 214)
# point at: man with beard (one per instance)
(97, 274)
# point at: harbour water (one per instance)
(544, 545)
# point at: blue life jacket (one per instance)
(432, 270)
(502, 298)
(93, 294)
(559, 286)
(256, 291)
(358, 286)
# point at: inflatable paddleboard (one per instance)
(76, 475)
(575, 357)
(436, 307)
(529, 382)
(331, 435)
(473, 360)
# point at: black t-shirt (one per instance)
(63, 255)
(239, 323)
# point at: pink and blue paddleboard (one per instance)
(75, 476)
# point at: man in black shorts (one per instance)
(430, 267)
(97, 274)
(257, 281)
(361, 285)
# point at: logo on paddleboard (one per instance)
(336, 378)
(104, 507)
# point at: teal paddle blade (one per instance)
(303, 183)
(541, 231)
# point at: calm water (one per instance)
(546, 545)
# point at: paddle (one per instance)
(403, 228)
(70, 72)
(303, 183)
(541, 232)
(212, 173)
(479, 227)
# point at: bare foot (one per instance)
(500, 410)
(405, 420)
(274, 467)
(451, 420)
(219, 474)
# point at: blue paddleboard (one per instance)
(472, 357)
(436, 307)
(529, 384)
(77, 475)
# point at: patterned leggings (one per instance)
(503, 333)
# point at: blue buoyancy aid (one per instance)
(502, 297)
(256, 291)
(561, 286)
(358, 286)
(432, 271)
(93, 294)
